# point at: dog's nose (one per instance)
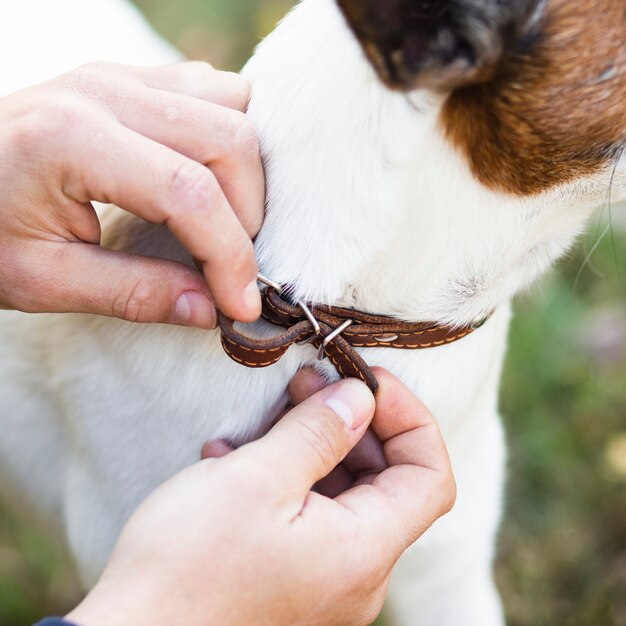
(440, 44)
(427, 9)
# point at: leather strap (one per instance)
(366, 331)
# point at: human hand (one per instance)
(242, 540)
(139, 138)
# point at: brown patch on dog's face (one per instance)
(538, 87)
(555, 111)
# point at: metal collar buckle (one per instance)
(317, 331)
(331, 337)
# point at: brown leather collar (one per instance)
(338, 332)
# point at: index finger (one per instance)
(403, 501)
(163, 186)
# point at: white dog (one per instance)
(428, 168)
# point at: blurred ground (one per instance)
(563, 547)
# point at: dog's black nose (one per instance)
(427, 9)
(436, 43)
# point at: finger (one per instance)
(314, 437)
(338, 481)
(402, 421)
(404, 501)
(363, 463)
(304, 384)
(367, 459)
(154, 102)
(198, 80)
(398, 506)
(162, 186)
(60, 277)
(216, 449)
(222, 138)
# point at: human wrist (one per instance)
(118, 603)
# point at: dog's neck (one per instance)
(375, 209)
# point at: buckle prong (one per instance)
(317, 331)
(331, 337)
(270, 283)
(316, 326)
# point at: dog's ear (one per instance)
(440, 44)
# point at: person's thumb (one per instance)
(314, 437)
(85, 278)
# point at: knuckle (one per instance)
(91, 76)
(193, 186)
(240, 141)
(60, 114)
(233, 122)
(98, 68)
(64, 111)
(240, 256)
(236, 139)
(447, 489)
(132, 305)
(91, 79)
(247, 140)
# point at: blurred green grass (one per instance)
(563, 547)
(219, 31)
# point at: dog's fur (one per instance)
(438, 199)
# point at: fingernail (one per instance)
(216, 449)
(252, 296)
(352, 401)
(195, 309)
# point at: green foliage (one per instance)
(563, 548)
(36, 578)
(219, 31)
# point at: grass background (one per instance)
(563, 547)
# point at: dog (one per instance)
(426, 160)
